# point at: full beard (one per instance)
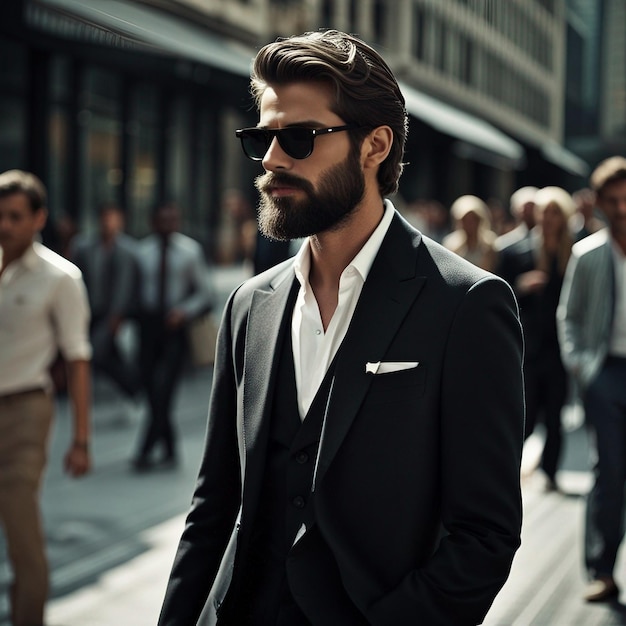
(340, 190)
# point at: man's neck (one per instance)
(332, 251)
(6, 258)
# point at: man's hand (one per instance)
(77, 460)
(531, 282)
(115, 321)
(175, 319)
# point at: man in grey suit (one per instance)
(366, 418)
(108, 261)
(592, 333)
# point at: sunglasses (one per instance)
(296, 141)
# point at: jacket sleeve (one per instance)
(481, 438)
(216, 498)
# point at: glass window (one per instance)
(178, 157)
(12, 133)
(419, 33)
(100, 128)
(59, 78)
(143, 130)
(13, 66)
(380, 16)
(57, 159)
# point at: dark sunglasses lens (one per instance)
(255, 143)
(296, 142)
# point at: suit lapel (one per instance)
(388, 293)
(270, 314)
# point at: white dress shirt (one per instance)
(314, 349)
(617, 344)
(188, 281)
(43, 308)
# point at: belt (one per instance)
(22, 392)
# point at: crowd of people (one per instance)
(346, 477)
(75, 305)
(565, 259)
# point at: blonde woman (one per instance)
(535, 267)
(473, 238)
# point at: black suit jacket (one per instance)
(404, 454)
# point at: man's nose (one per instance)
(275, 157)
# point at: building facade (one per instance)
(137, 101)
(596, 96)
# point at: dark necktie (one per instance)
(162, 294)
(108, 278)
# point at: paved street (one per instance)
(112, 535)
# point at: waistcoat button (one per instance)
(302, 457)
(298, 502)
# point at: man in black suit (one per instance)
(366, 419)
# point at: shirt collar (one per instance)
(28, 260)
(364, 259)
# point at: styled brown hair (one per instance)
(366, 91)
(608, 171)
(18, 181)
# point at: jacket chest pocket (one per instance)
(397, 386)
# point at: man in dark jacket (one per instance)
(366, 420)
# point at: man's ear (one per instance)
(376, 146)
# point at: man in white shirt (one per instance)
(43, 309)
(366, 419)
(592, 332)
(175, 288)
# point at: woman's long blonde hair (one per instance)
(564, 202)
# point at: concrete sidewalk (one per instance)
(129, 594)
(544, 587)
(131, 591)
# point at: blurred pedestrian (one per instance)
(240, 221)
(108, 261)
(43, 307)
(269, 252)
(522, 207)
(175, 288)
(592, 328)
(65, 232)
(436, 219)
(535, 267)
(472, 237)
(347, 477)
(585, 222)
(500, 217)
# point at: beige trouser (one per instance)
(25, 420)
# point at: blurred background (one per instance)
(132, 101)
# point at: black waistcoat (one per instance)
(261, 594)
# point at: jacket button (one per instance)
(298, 502)
(302, 457)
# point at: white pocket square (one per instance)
(387, 367)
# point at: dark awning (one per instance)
(563, 158)
(123, 24)
(477, 138)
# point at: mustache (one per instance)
(266, 181)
